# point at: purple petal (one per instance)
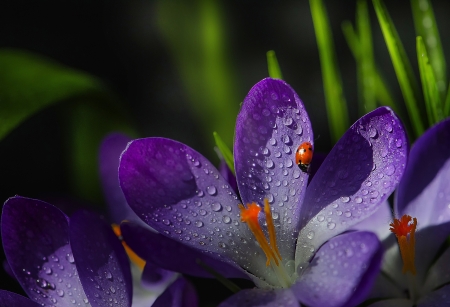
(181, 293)
(101, 261)
(165, 253)
(378, 222)
(154, 277)
(439, 273)
(271, 124)
(228, 175)
(439, 298)
(262, 298)
(35, 238)
(424, 191)
(342, 272)
(109, 154)
(177, 191)
(9, 299)
(360, 172)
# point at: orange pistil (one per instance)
(132, 255)
(249, 215)
(402, 228)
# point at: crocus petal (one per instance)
(342, 271)
(359, 173)
(228, 175)
(181, 293)
(424, 192)
(378, 222)
(109, 154)
(8, 299)
(154, 277)
(262, 298)
(439, 298)
(166, 253)
(177, 191)
(271, 124)
(102, 263)
(35, 238)
(439, 273)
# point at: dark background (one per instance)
(120, 43)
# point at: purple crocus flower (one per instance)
(295, 250)
(423, 194)
(60, 261)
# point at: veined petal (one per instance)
(378, 222)
(270, 126)
(439, 298)
(342, 271)
(177, 191)
(262, 298)
(166, 253)
(439, 273)
(35, 238)
(360, 172)
(8, 299)
(101, 261)
(424, 191)
(109, 154)
(181, 293)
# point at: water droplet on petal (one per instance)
(199, 224)
(310, 235)
(331, 226)
(226, 219)
(211, 190)
(216, 207)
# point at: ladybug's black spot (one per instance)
(303, 167)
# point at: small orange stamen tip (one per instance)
(131, 254)
(404, 229)
(249, 215)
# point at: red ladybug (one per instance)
(303, 156)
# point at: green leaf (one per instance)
(426, 27)
(402, 66)
(429, 86)
(273, 67)
(29, 83)
(226, 152)
(197, 41)
(332, 83)
(447, 103)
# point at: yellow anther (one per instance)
(402, 228)
(132, 255)
(249, 215)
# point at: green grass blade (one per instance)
(402, 66)
(429, 86)
(366, 63)
(332, 83)
(447, 103)
(426, 26)
(226, 152)
(272, 65)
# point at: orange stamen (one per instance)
(132, 255)
(402, 228)
(249, 215)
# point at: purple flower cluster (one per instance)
(179, 193)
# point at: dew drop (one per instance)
(226, 219)
(273, 142)
(211, 190)
(108, 275)
(60, 292)
(358, 200)
(345, 199)
(372, 132)
(331, 225)
(269, 163)
(388, 127)
(216, 207)
(222, 245)
(320, 218)
(389, 170)
(348, 214)
(199, 224)
(398, 143)
(310, 235)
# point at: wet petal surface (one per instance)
(378, 222)
(360, 172)
(35, 238)
(424, 191)
(166, 253)
(262, 298)
(177, 191)
(342, 272)
(8, 299)
(271, 124)
(102, 263)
